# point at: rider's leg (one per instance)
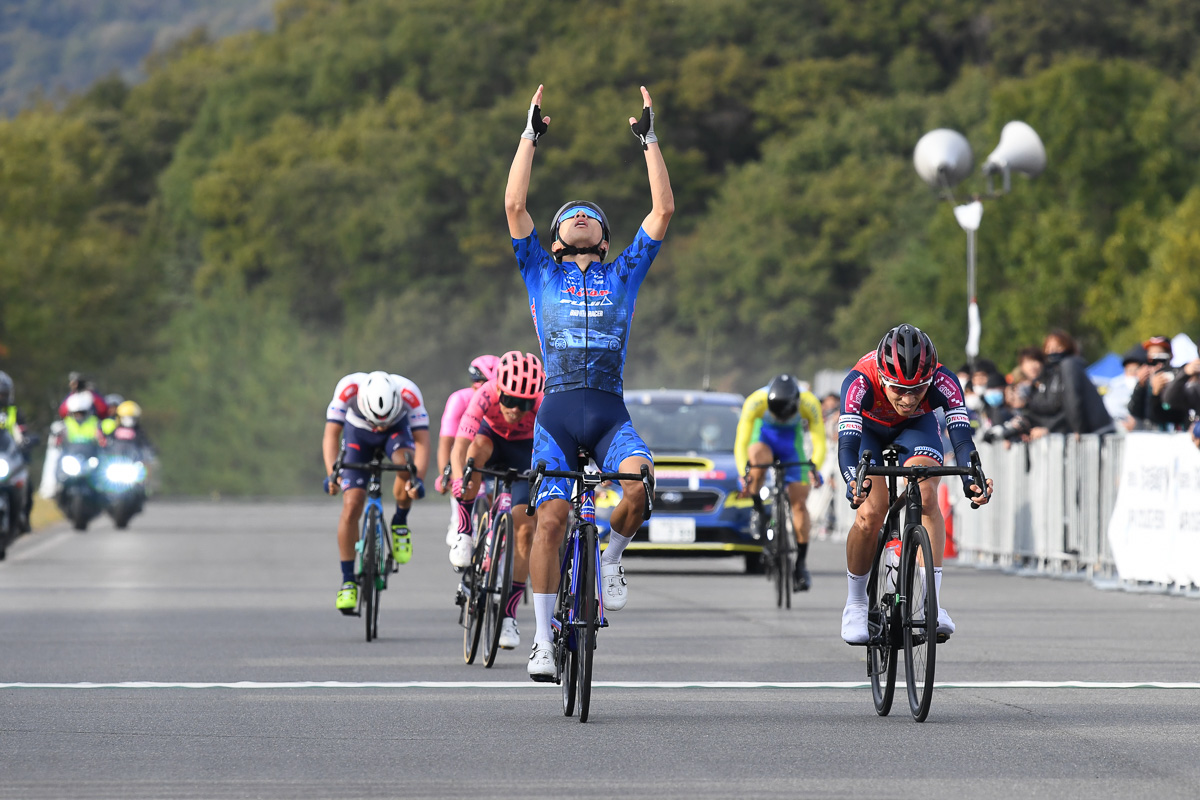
(524, 526)
(353, 501)
(802, 522)
(544, 563)
(860, 550)
(630, 513)
(758, 453)
(463, 548)
(401, 537)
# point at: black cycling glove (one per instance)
(535, 126)
(644, 128)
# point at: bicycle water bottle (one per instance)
(891, 565)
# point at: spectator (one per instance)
(995, 406)
(1064, 400)
(1196, 434)
(1119, 390)
(1030, 363)
(1184, 391)
(1146, 405)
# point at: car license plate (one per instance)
(672, 530)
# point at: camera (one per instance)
(1011, 430)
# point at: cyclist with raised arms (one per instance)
(582, 309)
(481, 370)
(497, 431)
(769, 428)
(886, 399)
(370, 413)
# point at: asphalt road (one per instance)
(222, 593)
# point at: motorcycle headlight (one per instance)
(4, 468)
(71, 466)
(125, 472)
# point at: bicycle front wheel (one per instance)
(919, 612)
(881, 648)
(497, 588)
(474, 580)
(566, 664)
(368, 585)
(585, 628)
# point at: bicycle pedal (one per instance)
(942, 638)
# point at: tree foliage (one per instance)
(266, 212)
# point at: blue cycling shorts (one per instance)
(593, 419)
(920, 437)
(506, 453)
(787, 445)
(361, 446)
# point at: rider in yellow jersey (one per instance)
(770, 428)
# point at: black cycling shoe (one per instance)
(801, 579)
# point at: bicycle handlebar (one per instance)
(508, 476)
(377, 465)
(592, 480)
(919, 472)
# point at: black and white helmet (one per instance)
(379, 400)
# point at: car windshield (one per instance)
(669, 426)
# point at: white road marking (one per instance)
(595, 684)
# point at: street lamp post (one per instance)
(943, 159)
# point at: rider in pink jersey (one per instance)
(497, 431)
(482, 370)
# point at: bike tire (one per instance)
(497, 588)
(566, 664)
(919, 619)
(586, 625)
(881, 647)
(787, 547)
(474, 581)
(367, 588)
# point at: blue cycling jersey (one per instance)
(583, 317)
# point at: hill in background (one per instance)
(53, 47)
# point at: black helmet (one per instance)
(906, 356)
(783, 396)
(6, 390)
(590, 206)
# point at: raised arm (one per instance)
(516, 194)
(655, 223)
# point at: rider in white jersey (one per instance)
(372, 413)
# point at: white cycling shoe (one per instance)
(945, 624)
(462, 550)
(614, 586)
(854, 623)
(452, 533)
(541, 662)
(510, 635)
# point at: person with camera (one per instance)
(1063, 398)
(1184, 391)
(1147, 405)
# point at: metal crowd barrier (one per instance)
(1050, 512)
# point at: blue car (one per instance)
(696, 507)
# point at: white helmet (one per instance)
(79, 401)
(379, 401)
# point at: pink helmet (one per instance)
(521, 374)
(483, 368)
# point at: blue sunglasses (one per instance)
(571, 213)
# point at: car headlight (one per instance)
(4, 468)
(71, 466)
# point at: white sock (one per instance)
(616, 546)
(856, 588)
(937, 584)
(543, 612)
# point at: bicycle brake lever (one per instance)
(648, 485)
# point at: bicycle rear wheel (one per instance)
(585, 628)
(919, 611)
(368, 587)
(473, 580)
(881, 647)
(566, 663)
(497, 588)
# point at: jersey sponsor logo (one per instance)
(858, 390)
(575, 312)
(957, 417)
(410, 398)
(850, 423)
(349, 393)
(945, 385)
(578, 292)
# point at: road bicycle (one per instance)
(374, 560)
(775, 530)
(902, 605)
(486, 584)
(579, 607)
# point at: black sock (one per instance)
(348, 571)
(400, 517)
(801, 553)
